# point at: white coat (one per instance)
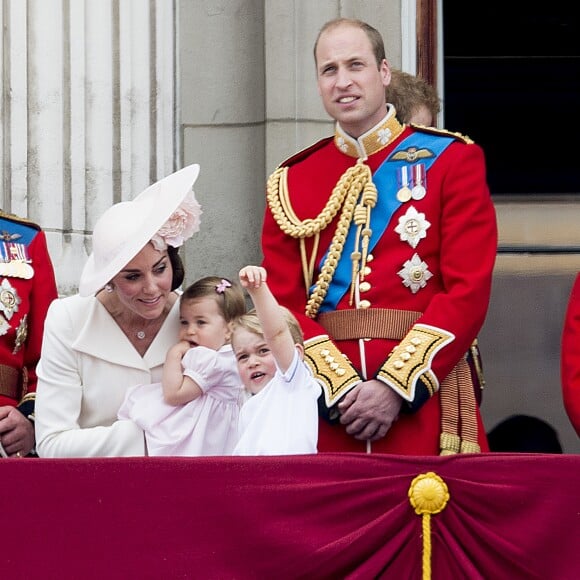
(86, 366)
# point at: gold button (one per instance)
(370, 258)
(364, 286)
(364, 304)
(398, 364)
(367, 270)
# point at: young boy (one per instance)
(281, 415)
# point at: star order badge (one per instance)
(415, 274)
(21, 334)
(412, 227)
(9, 299)
(4, 326)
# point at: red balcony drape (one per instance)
(326, 516)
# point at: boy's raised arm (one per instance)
(274, 325)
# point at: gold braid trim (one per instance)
(362, 219)
(345, 193)
(330, 368)
(360, 179)
(412, 358)
(279, 203)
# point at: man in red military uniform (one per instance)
(382, 240)
(27, 287)
(570, 357)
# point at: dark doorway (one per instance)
(512, 84)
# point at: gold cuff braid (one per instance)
(412, 358)
(330, 368)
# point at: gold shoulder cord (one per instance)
(356, 179)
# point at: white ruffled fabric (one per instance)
(206, 426)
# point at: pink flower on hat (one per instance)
(180, 226)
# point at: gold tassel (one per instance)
(428, 494)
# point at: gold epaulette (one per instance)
(18, 219)
(444, 132)
(304, 153)
(330, 368)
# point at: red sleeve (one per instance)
(570, 357)
(467, 252)
(43, 292)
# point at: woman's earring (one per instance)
(108, 288)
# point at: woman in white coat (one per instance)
(115, 333)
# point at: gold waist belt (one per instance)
(369, 323)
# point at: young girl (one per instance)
(281, 416)
(194, 410)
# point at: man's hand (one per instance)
(16, 432)
(369, 410)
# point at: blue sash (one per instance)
(385, 180)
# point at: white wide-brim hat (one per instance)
(126, 227)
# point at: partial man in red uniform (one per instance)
(27, 287)
(570, 357)
(382, 240)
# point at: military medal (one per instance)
(15, 261)
(9, 299)
(4, 326)
(418, 192)
(404, 193)
(16, 270)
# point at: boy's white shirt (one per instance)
(282, 419)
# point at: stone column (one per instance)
(87, 113)
(221, 97)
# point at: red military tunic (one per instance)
(570, 357)
(433, 256)
(27, 287)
